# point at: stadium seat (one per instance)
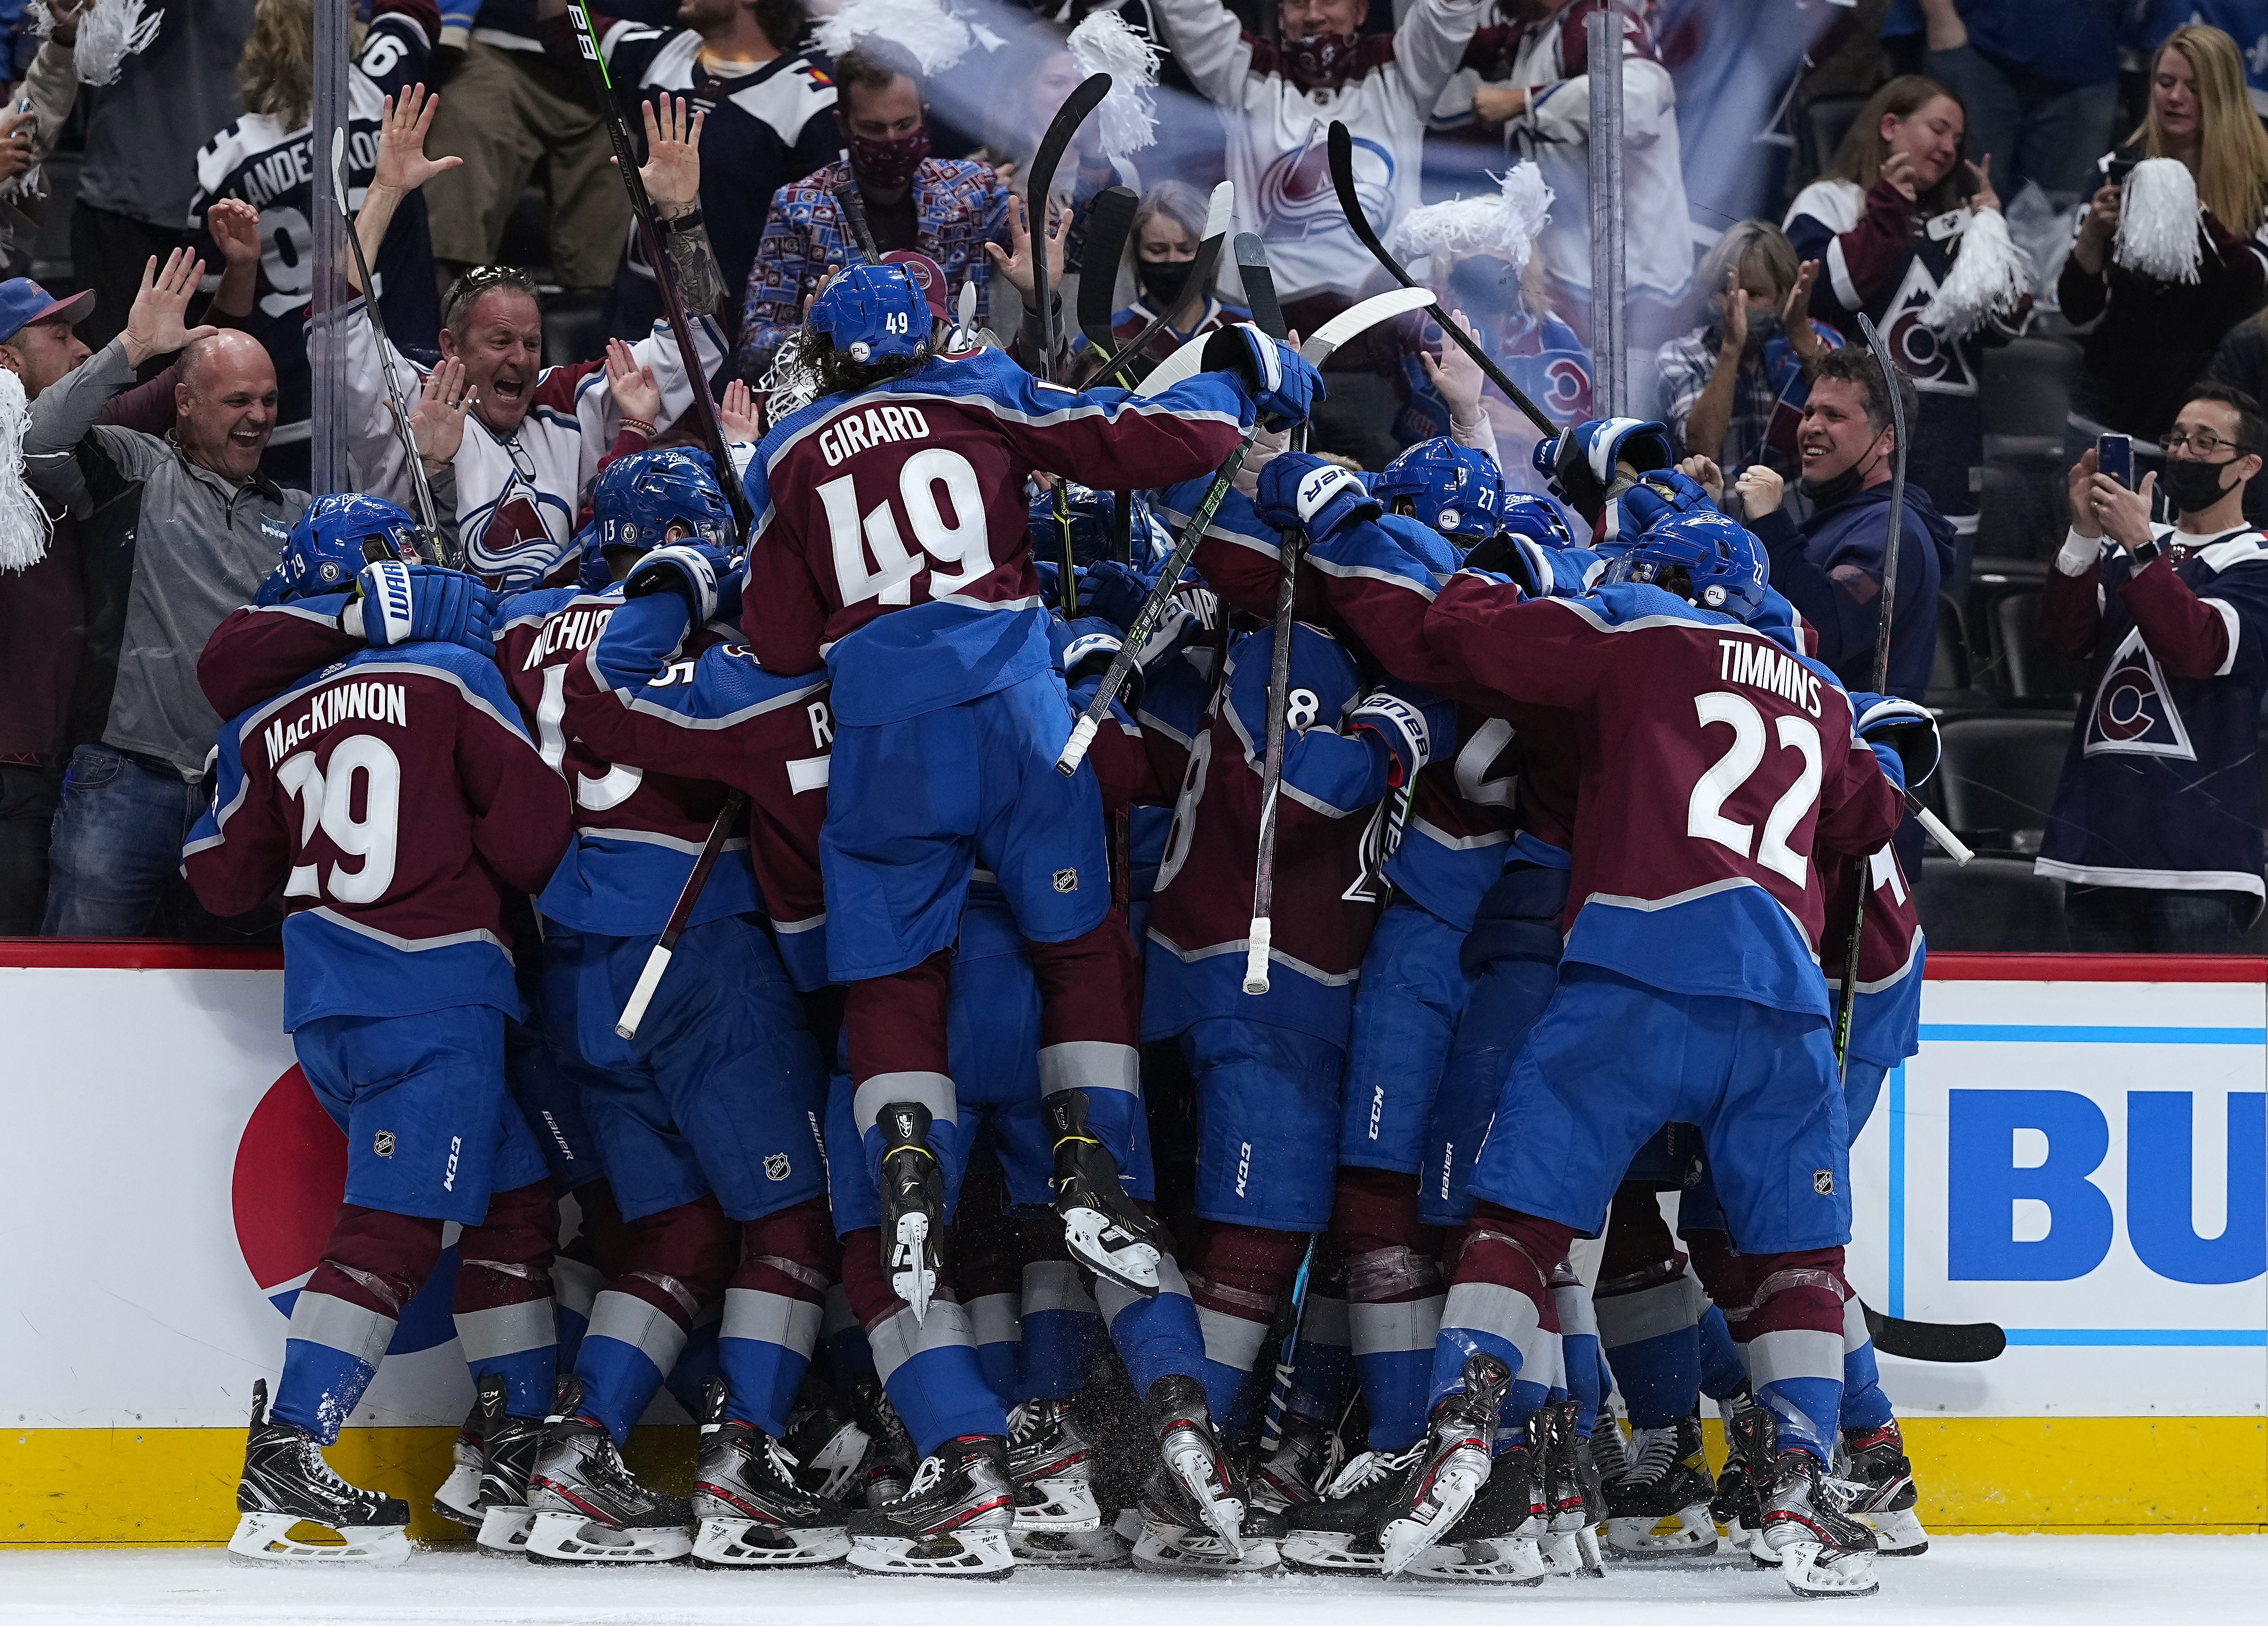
(2026, 396)
(1998, 775)
(2030, 670)
(1991, 904)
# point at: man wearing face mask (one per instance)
(1830, 567)
(948, 208)
(2156, 829)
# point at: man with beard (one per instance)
(1281, 98)
(948, 208)
(534, 436)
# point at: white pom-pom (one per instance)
(2158, 222)
(109, 32)
(1104, 43)
(1507, 222)
(934, 36)
(23, 523)
(1989, 278)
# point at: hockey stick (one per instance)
(854, 214)
(1950, 1342)
(419, 486)
(1317, 348)
(1341, 157)
(736, 803)
(1201, 274)
(1073, 113)
(1287, 1354)
(665, 275)
(1268, 316)
(1109, 222)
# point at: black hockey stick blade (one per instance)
(1073, 113)
(1259, 284)
(1110, 223)
(1202, 270)
(853, 205)
(1342, 160)
(1950, 1342)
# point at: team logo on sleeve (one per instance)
(2134, 713)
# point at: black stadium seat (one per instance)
(2032, 670)
(1991, 904)
(1998, 775)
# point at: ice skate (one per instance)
(1171, 1535)
(887, 1468)
(1337, 1534)
(1295, 1474)
(1659, 1508)
(287, 1486)
(912, 1191)
(508, 1447)
(1052, 1467)
(750, 1512)
(1823, 1552)
(953, 1519)
(1458, 1438)
(1876, 1461)
(1104, 1230)
(1193, 1455)
(1735, 1506)
(1500, 1540)
(828, 1447)
(459, 1498)
(1572, 1491)
(587, 1508)
(1099, 1548)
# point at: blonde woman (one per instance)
(2155, 334)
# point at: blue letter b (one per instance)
(1985, 1186)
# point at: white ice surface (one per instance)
(2003, 1580)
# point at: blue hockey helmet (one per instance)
(1703, 556)
(640, 496)
(1457, 489)
(331, 542)
(873, 313)
(1538, 519)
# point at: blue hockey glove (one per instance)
(405, 603)
(1113, 591)
(1656, 496)
(1415, 724)
(1299, 490)
(696, 573)
(1082, 648)
(1284, 385)
(1904, 727)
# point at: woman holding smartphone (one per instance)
(2156, 334)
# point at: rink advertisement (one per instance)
(2079, 1153)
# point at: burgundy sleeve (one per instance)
(1484, 633)
(2068, 612)
(557, 388)
(257, 653)
(148, 408)
(1876, 248)
(1859, 807)
(1128, 449)
(522, 816)
(783, 614)
(236, 874)
(2190, 640)
(1395, 624)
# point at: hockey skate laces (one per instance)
(1656, 1454)
(929, 1473)
(1369, 1468)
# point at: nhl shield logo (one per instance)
(2134, 713)
(1823, 1181)
(1066, 880)
(382, 1143)
(776, 1166)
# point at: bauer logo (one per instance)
(289, 1177)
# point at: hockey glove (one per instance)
(1658, 494)
(1525, 563)
(1283, 383)
(1414, 723)
(1113, 591)
(1299, 490)
(696, 573)
(1082, 648)
(398, 602)
(1904, 727)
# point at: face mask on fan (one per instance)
(889, 163)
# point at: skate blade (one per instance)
(459, 1498)
(978, 1555)
(280, 1540)
(1329, 1552)
(832, 1465)
(1899, 1534)
(1498, 1561)
(570, 1538)
(746, 1544)
(1224, 1516)
(1133, 1265)
(1452, 1492)
(1070, 1549)
(1066, 1505)
(1810, 1574)
(1688, 1533)
(504, 1532)
(1171, 1549)
(911, 1278)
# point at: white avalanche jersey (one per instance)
(518, 494)
(1277, 149)
(1550, 60)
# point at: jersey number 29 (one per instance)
(327, 803)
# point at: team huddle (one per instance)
(1165, 1147)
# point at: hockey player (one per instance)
(948, 719)
(390, 796)
(1709, 964)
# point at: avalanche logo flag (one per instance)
(291, 1177)
(2134, 712)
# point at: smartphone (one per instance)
(2114, 455)
(2114, 171)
